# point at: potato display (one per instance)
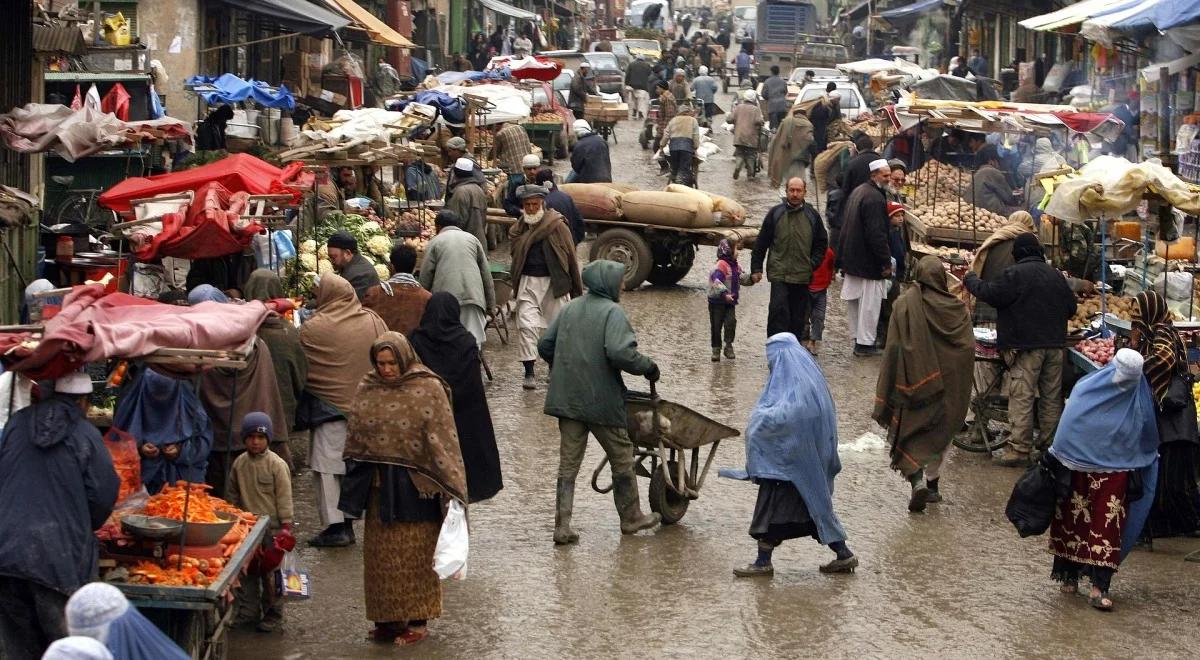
(1122, 308)
(946, 181)
(943, 253)
(950, 215)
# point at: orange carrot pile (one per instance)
(169, 503)
(190, 575)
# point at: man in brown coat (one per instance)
(791, 148)
(400, 301)
(747, 120)
(545, 272)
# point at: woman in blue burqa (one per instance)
(172, 429)
(791, 453)
(1108, 440)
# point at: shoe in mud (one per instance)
(1011, 458)
(529, 383)
(716, 356)
(846, 565)
(755, 570)
(918, 499)
(729, 354)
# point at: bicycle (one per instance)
(81, 206)
(989, 405)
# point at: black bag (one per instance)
(1177, 415)
(1034, 497)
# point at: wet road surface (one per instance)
(956, 581)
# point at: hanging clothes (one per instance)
(116, 101)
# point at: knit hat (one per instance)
(456, 143)
(257, 422)
(531, 160)
(750, 96)
(77, 648)
(662, 84)
(343, 240)
(93, 608)
(464, 165)
(880, 164)
(77, 382)
(893, 208)
(703, 70)
(1027, 245)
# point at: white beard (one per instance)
(535, 218)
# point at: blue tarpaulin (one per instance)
(449, 108)
(232, 89)
(910, 12)
(1174, 13)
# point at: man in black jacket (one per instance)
(865, 255)
(589, 159)
(637, 79)
(1033, 303)
(795, 237)
(858, 169)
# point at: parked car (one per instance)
(619, 49)
(852, 102)
(606, 68)
(820, 75)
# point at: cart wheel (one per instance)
(672, 263)
(979, 438)
(628, 248)
(664, 500)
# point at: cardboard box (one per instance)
(330, 96)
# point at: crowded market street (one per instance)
(953, 582)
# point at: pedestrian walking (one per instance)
(774, 92)
(705, 88)
(924, 385)
(445, 346)
(724, 288)
(337, 342)
(349, 263)
(589, 160)
(1108, 441)
(792, 241)
(261, 483)
(401, 300)
(1033, 304)
(58, 481)
(456, 262)
(287, 355)
(588, 345)
(679, 86)
(791, 149)
(404, 467)
(583, 84)
(101, 612)
(637, 79)
(468, 200)
(683, 139)
(818, 302)
(742, 63)
(791, 453)
(560, 201)
(747, 121)
(667, 108)
(865, 257)
(545, 273)
(530, 165)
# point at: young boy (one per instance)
(260, 483)
(724, 285)
(899, 252)
(818, 300)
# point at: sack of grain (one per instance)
(594, 200)
(619, 187)
(668, 208)
(732, 213)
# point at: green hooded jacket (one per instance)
(588, 345)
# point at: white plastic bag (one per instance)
(450, 556)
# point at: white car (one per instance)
(852, 102)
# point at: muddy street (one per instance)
(955, 581)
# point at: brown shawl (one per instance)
(400, 305)
(337, 341)
(564, 265)
(1158, 342)
(407, 422)
(229, 394)
(924, 385)
(1020, 222)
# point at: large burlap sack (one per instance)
(594, 200)
(619, 187)
(732, 213)
(668, 208)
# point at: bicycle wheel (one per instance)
(73, 209)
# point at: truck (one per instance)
(782, 34)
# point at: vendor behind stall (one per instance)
(989, 188)
(58, 484)
(173, 432)
(350, 264)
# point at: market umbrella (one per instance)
(528, 68)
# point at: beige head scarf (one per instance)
(337, 342)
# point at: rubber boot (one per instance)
(563, 504)
(625, 496)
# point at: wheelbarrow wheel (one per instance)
(664, 500)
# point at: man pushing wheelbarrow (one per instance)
(588, 345)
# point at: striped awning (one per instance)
(1073, 14)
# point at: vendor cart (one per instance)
(198, 618)
(544, 135)
(989, 404)
(663, 432)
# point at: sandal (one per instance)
(1101, 602)
(411, 636)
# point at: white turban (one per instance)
(880, 164)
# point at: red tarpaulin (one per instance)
(238, 172)
(212, 227)
(528, 68)
(1086, 122)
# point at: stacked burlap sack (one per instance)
(677, 206)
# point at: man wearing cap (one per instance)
(705, 88)
(58, 485)
(637, 79)
(683, 138)
(590, 160)
(582, 84)
(561, 202)
(456, 262)
(545, 272)
(679, 85)
(509, 146)
(529, 168)
(899, 251)
(667, 108)
(468, 199)
(792, 241)
(747, 120)
(866, 257)
(456, 147)
(989, 188)
(347, 262)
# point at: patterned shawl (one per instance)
(1159, 343)
(408, 422)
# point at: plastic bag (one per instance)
(450, 556)
(293, 582)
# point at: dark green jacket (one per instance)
(588, 345)
(792, 241)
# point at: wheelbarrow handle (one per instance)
(653, 390)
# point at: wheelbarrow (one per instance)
(663, 432)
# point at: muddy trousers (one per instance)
(1034, 376)
(1066, 570)
(788, 309)
(31, 617)
(617, 446)
(722, 317)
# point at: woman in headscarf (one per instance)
(100, 611)
(791, 452)
(173, 432)
(1108, 440)
(282, 337)
(337, 343)
(450, 351)
(1176, 509)
(924, 386)
(995, 256)
(404, 467)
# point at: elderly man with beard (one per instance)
(545, 272)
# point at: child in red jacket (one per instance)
(818, 289)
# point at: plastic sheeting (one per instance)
(511, 104)
(73, 134)
(527, 68)
(1111, 187)
(238, 172)
(232, 89)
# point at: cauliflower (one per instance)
(371, 227)
(382, 271)
(308, 247)
(323, 252)
(380, 246)
(324, 266)
(308, 261)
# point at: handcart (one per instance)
(988, 403)
(663, 432)
(604, 128)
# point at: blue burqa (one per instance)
(792, 434)
(1109, 426)
(165, 411)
